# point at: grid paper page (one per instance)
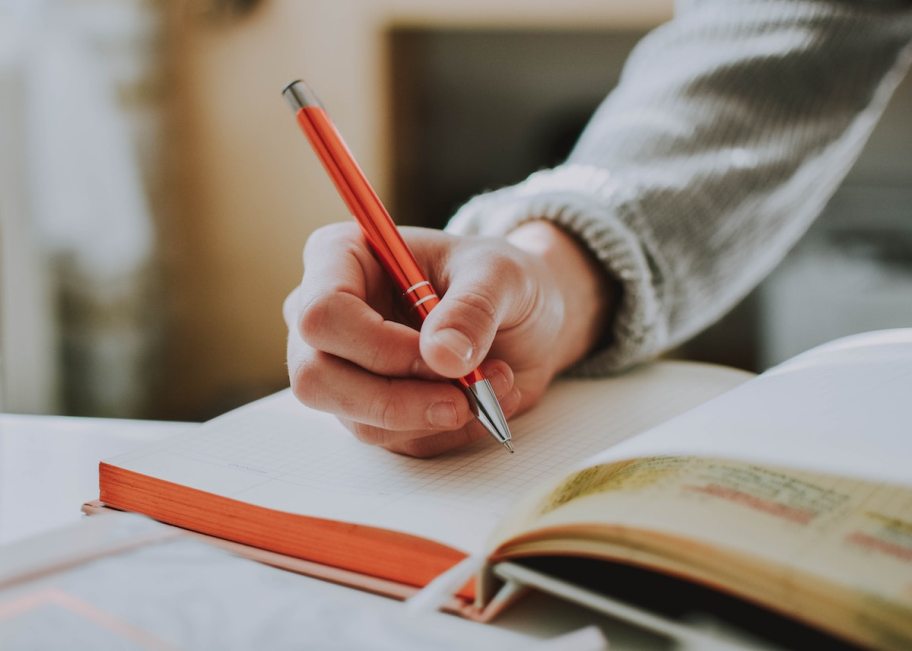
(278, 454)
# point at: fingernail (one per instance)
(442, 414)
(456, 342)
(499, 383)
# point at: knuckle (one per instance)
(506, 269)
(478, 303)
(327, 236)
(331, 237)
(289, 305)
(313, 318)
(305, 383)
(420, 448)
(366, 433)
(315, 242)
(387, 412)
(378, 359)
(477, 310)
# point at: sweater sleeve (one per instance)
(731, 127)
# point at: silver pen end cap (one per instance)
(299, 95)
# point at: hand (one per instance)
(523, 308)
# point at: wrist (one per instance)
(588, 293)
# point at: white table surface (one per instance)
(49, 467)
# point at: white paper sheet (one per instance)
(278, 454)
(843, 408)
(136, 585)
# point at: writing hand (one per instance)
(523, 308)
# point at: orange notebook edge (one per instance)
(370, 558)
(383, 587)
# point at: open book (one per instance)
(791, 490)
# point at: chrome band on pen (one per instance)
(416, 286)
(423, 300)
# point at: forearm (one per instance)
(730, 129)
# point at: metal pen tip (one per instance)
(487, 410)
(509, 446)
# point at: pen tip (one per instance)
(509, 446)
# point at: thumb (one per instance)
(457, 334)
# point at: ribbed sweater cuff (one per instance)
(586, 202)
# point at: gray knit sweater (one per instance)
(731, 127)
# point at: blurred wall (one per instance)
(78, 306)
(247, 190)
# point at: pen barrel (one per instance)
(466, 381)
(367, 209)
(378, 227)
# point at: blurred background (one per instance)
(155, 193)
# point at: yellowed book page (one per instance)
(852, 532)
(842, 409)
(812, 545)
(278, 454)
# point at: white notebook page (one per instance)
(278, 454)
(844, 408)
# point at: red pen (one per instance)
(384, 239)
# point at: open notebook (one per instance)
(792, 491)
(279, 455)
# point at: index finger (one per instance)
(337, 302)
(336, 258)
